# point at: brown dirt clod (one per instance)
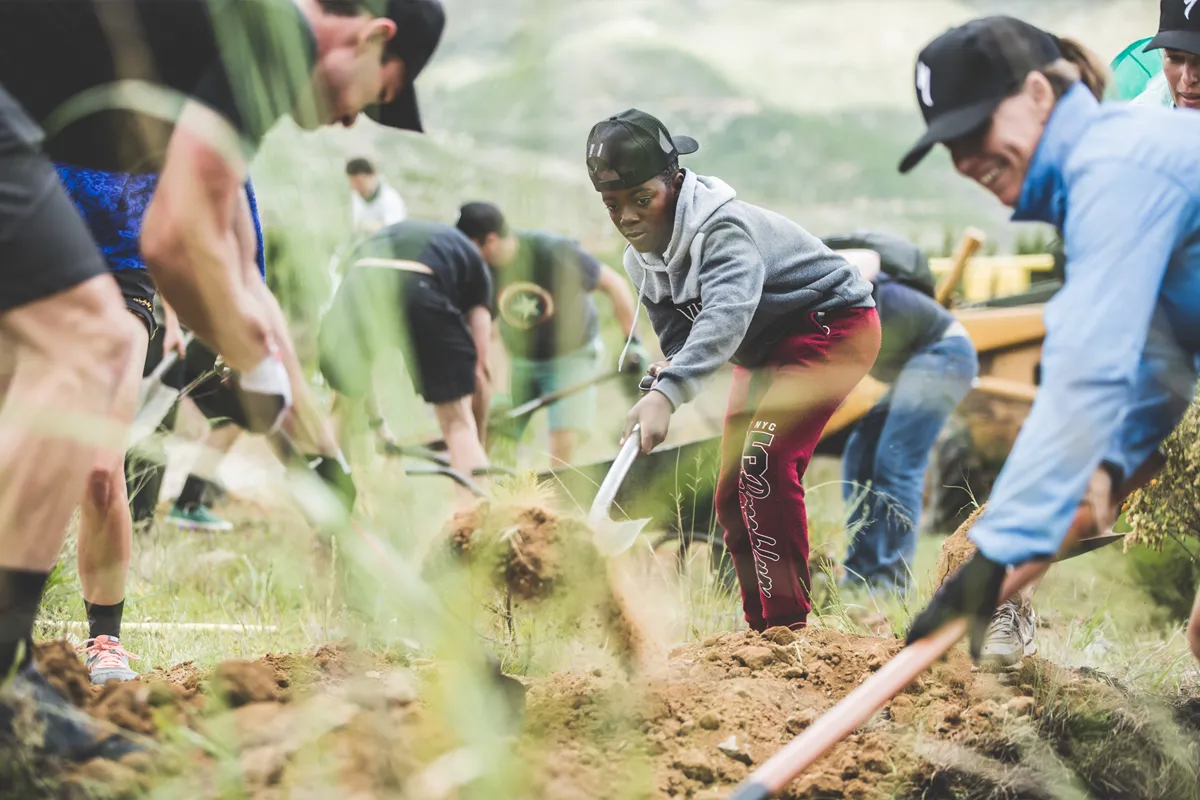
(242, 682)
(957, 549)
(63, 668)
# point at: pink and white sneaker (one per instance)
(106, 660)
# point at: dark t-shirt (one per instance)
(459, 274)
(911, 320)
(78, 67)
(543, 298)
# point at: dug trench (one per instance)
(341, 722)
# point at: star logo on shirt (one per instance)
(524, 305)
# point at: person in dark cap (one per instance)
(723, 280)
(1178, 38)
(1019, 111)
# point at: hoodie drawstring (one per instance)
(637, 311)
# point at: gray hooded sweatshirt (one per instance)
(735, 279)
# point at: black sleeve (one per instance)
(263, 70)
(476, 288)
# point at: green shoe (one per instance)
(197, 518)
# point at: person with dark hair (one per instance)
(927, 358)
(423, 288)
(723, 280)
(209, 81)
(548, 321)
(1019, 111)
(374, 204)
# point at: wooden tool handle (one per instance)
(874, 693)
(972, 239)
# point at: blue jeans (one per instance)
(886, 456)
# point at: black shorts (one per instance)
(138, 290)
(45, 247)
(438, 349)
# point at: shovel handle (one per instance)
(616, 475)
(873, 694)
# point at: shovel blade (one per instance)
(158, 402)
(613, 538)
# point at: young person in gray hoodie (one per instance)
(722, 281)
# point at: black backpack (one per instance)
(900, 258)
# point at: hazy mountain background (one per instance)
(805, 106)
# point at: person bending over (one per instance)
(421, 287)
(723, 280)
(548, 321)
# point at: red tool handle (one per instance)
(872, 694)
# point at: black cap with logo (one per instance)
(1178, 27)
(964, 74)
(630, 149)
(419, 25)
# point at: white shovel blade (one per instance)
(159, 400)
(613, 538)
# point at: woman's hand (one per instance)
(653, 414)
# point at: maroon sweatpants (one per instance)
(775, 416)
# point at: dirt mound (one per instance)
(536, 557)
(718, 710)
(529, 550)
(240, 683)
(63, 668)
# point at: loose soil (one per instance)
(534, 557)
(337, 722)
(341, 722)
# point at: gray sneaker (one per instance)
(106, 660)
(1009, 638)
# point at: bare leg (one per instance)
(466, 452)
(219, 442)
(71, 350)
(562, 447)
(105, 524)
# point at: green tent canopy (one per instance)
(1133, 69)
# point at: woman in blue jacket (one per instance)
(1119, 362)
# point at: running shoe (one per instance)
(197, 518)
(1009, 637)
(106, 660)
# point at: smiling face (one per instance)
(355, 75)
(645, 214)
(997, 156)
(1182, 71)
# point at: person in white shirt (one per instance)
(373, 203)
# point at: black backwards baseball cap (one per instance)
(630, 149)
(419, 25)
(1178, 27)
(964, 74)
